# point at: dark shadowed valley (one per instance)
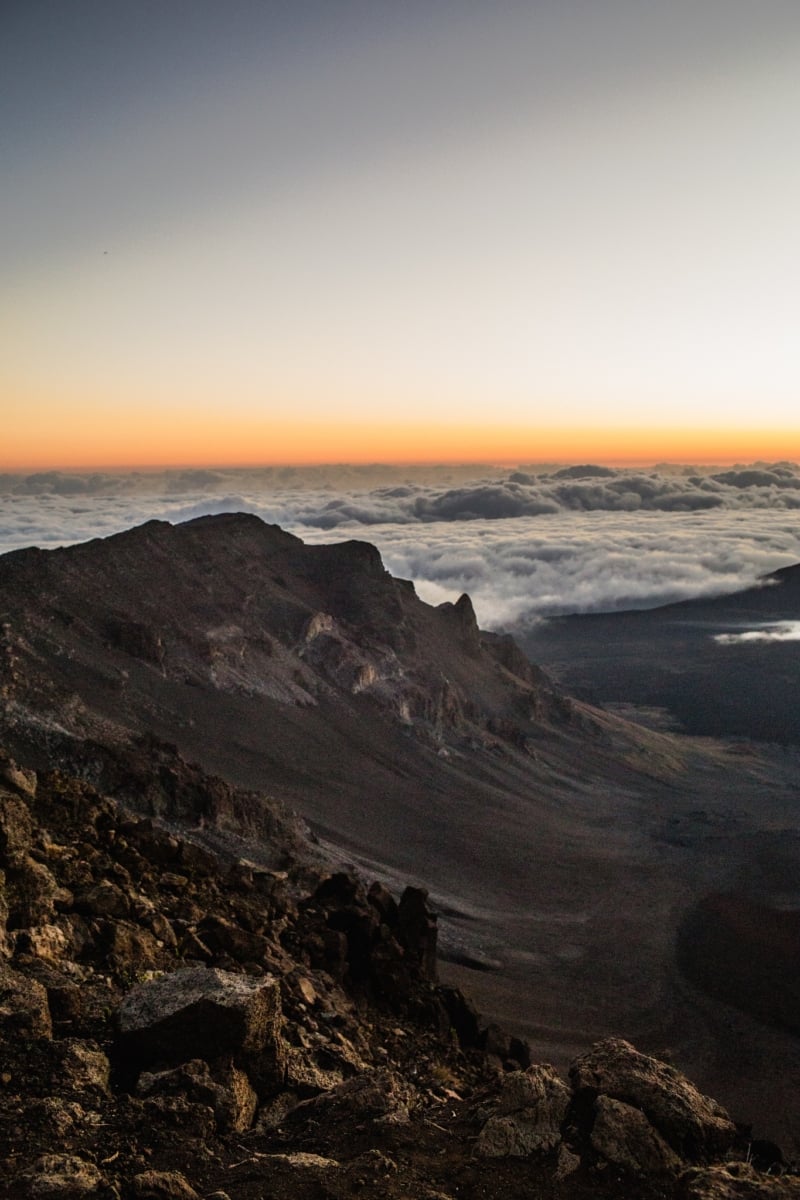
(724, 666)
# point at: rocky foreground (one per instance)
(177, 1020)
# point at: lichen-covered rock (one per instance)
(696, 1127)
(61, 1177)
(103, 899)
(16, 827)
(84, 1066)
(162, 1185)
(48, 942)
(225, 937)
(622, 1135)
(24, 1011)
(203, 1013)
(228, 1092)
(380, 1096)
(30, 890)
(736, 1181)
(303, 1161)
(528, 1115)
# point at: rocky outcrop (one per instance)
(622, 1135)
(187, 1013)
(230, 608)
(61, 1177)
(228, 1091)
(615, 1086)
(24, 1011)
(162, 1185)
(527, 1116)
(179, 1021)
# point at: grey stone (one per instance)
(16, 827)
(84, 1066)
(202, 1013)
(24, 1011)
(696, 1127)
(62, 1177)
(162, 1185)
(227, 1091)
(623, 1135)
(528, 1115)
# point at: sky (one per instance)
(268, 233)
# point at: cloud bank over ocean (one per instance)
(524, 543)
(778, 631)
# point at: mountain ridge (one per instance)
(562, 845)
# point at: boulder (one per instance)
(622, 1135)
(129, 950)
(104, 899)
(61, 1177)
(694, 1126)
(162, 1185)
(174, 1120)
(48, 942)
(228, 1091)
(528, 1115)
(379, 1096)
(456, 1012)
(203, 1013)
(24, 1011)
(225, 937)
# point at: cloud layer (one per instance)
(782, 631)
(524, 544)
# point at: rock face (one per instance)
(228, 1091)
(24, 1011)
(622, 1135)
(62, 1177)
(178, 1016)
(156, 621)
(162, 1185)
(528, 1115)
(696, 1128)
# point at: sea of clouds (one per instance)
(525, 544)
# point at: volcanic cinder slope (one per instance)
(563, 846)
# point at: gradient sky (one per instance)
(252, 232)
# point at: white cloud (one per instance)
(523, 544)
(783, 631)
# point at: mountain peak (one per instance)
(223, 604)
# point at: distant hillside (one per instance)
(669, 659)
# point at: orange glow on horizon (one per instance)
(158, 440)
